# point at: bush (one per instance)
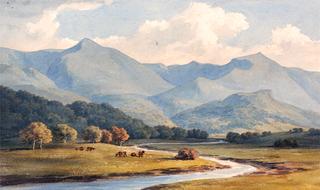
(187, 154)
(282, 143)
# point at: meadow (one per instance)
(63, 162)
(307, 161)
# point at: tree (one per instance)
(64, 133)
(296, 130)
(314, 132)
(120, 135)
(286, 143)
(106, 136)
(179, 133)
(197, 134)
(233, 137)
(92, 134)
(164, 132)
(203, 135)
(36, 132)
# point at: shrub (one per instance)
(187, 154)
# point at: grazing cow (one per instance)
(90, 148)
(81, 148)
(119, 154)
(141, 153)
(76, 148)
(133, 154)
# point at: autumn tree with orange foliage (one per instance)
(119, 135)
(106, 136)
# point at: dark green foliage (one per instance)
(296, 130)
(233, 137)
(286, 143)
(19, 109)
(179, 133)
(164, 132)
(266, 133)
(197, 134)
(314, 132)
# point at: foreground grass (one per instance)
(308, 159)
(65, 161)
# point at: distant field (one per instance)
(308, 159)
(64, 161)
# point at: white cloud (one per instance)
(41, 32)
(291, 48)
(197, 33)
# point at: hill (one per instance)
(137, 106)
(19, 108)
(251, 73)
(256, 111)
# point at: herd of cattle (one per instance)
(118, 154)
(85, 149)
(133, 154)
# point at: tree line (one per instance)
(39, 133)
(238, 138)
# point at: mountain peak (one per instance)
(257, 57)
(86, 42)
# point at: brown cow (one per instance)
(90, 148)
(81, 148)
(141, 153)
(133, 154)
(118, 154)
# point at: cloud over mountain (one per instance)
(193, 34)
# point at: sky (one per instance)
(170, 32)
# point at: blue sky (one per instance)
(171, 32)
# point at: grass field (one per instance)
(309, 159)
(65, 161)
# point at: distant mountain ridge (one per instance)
(256, 111)
(244, 74)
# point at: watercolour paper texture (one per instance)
(140, 94)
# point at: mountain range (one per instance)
(241, 112)
(155, 93)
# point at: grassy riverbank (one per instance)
(61, 163)
(299, 168)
